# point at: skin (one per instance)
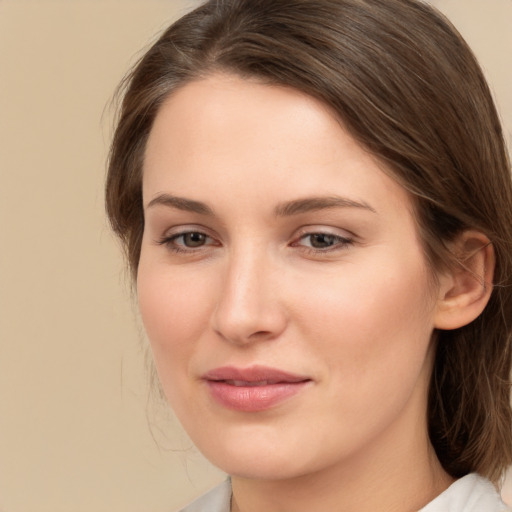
(355, 316)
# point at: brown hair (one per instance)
(408, 88)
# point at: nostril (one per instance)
(247, 337)
(260, 334)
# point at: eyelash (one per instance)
(340, 242)
(169, 242)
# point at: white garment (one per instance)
(216, 500)
(471, 493)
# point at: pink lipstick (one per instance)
(253, 389)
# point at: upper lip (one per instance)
(255, 373)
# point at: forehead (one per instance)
(207, 110)
(258, 142)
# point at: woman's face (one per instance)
(282, 284)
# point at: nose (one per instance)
(249, 307)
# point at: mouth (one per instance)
(253, 389)
(246, 383)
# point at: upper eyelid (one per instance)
(324, 230)
(182, 229)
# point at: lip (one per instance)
(253, 389)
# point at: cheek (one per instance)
(374, 322)
(174, 314)
(372, 330)
(360, 297)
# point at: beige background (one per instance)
(76, 431)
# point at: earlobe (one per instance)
(464, 290)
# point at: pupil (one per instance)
(319, 241)
(194, 239)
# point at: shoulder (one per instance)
(471, 493)
(216, 500)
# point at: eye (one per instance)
(192, 239)
(322, 242)
(186, 241)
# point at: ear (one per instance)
(465, 290)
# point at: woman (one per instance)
(315, 201)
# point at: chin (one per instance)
(252, 456)
(268, 467)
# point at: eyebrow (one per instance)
(181, 203)
(287, 209)
(310, 204)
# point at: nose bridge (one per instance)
(247, 307)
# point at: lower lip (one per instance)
(254, 398)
